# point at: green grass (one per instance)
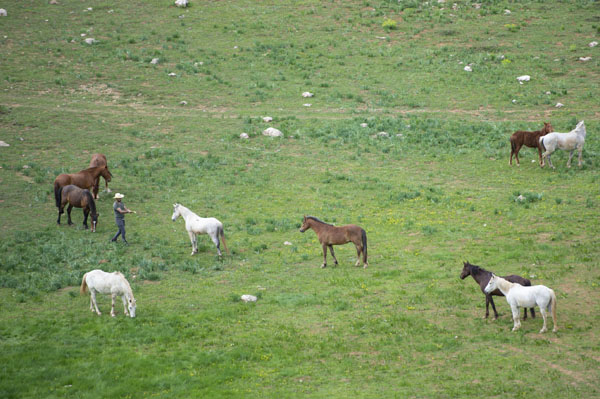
(439, 194)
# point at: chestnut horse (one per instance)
(482, 277)
(330, 235)
(529, 139)
(78, 198)
(99, 160)
(82, 179)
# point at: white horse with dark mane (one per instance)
(574, 140)
(114, 284)
(195, 225)
(519, 296)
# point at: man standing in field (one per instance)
(120, 211)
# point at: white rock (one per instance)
(383, 134)
(248, 298)
(307, 105)
(91, 40)
(272, 132)
(400, 135)
(3, 144)
(477, 6)
(364, 125)
(183, 102)
(533, 161)
(307, 94)
(244, 136)
(559, 105)
(441, 1)
(155, 61)
(506, 12)
(111, 11)
(514, 101)
(584, 59)
(26, 166)
(53, 2)
(267, 119)
(287, 243)
(468, 69)
(172, 74)
(520, 198)
(89, 8)
(524, 78)
(181, 3)
(593, 44)
(548, 92)
(380, 37)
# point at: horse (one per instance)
(519, 296)
(82, 179)
(482, 277)
(77, 198)
(115, 284)
(330, 235)
(195, 225)
(574, 140)
(529, 139)
(99, 160)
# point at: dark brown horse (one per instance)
(482, 277)
(529, 139)
(99, 160)
(78, 198)
(330, 235)
(82, 179)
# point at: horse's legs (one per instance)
(516, 314)
(69, 213)
(112, 304)
(570, 157)
(193, 240)
(60, 211)
(358, 251)
(550, 161)
(517, 154)
(543, 312)
(215, 240)
(324, 256)
(524, 313)
(86, 212)
(93, 299)
(579, 163)
(493, 307)
(96, 187)
(335, 262)
(532, 312)
(125, 311)
(487, 306)
(540, 155)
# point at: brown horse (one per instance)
(482, 277)
(82, 179)
(78, 198)
(330, 235)
(99, 160)
(529, 139)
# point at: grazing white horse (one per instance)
(195, 225)
(574, 140)
(98, 281)
(519, 296)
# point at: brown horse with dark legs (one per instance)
(482, 277)
(78, 198)
(82, 179)
(99, 160)
(330, 235)
(529, 139)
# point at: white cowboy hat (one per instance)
(118, 195)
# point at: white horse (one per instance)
(574, 140)
(519, 296)
(195, 225)
(114, 284)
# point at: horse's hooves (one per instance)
(555, 329)
(323, 266)
(365, 266)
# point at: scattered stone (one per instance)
(272, 132)
(307, 105)
(90, 40)
(559, 105)
(524, 78)
(183, 102)
(533, 161)
(155, 61)
(244, 136)
(514, 101)
(111, 11)
(381, 37)
(307, 94)
(248, 298)
(468, 68)
(400, 135)
(172, 74)
(26, 167)
(520, 198)
(89, 8)
(507, 12)
(287, 243)
(83, 35)
(593, 44)
(477, 6)
(441, 1)
(21, 138)
(3, 12)
(585, 59)
(383, 134)
(548, 92)
(364, 125)
(181, 3)
(4, 144)
(267, 119)
(53, 2)
(181, 16)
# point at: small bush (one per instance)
(389, 24)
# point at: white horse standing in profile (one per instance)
(195, 225)
(574, 140)
(519, 296)
(114, 284)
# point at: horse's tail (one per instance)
(542, 143)
(363, 234)
(553, 305)
(57, 194)
(513, 144)
(83, 285)
(222, 234)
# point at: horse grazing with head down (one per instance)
(99, 160)
(77, 198)
(482, 277)
(330, 235)
(574, 140)
(518, 296)
(81, 179)
(529, 139)
(114, 284)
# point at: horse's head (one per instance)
(492, 285)
(94, 221)
(106, 173)
(580, 128)
(466, 270)
(547, 128)
(176, 212)
(305, 225)
(131, 306)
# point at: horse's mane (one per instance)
(476, 269)
(318, 220)
(90, 200)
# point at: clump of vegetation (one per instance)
(512, 27)
(526, 197)
(389, 24)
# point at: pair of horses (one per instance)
(549, 141)
(73, 189)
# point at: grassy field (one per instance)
(434, 193)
